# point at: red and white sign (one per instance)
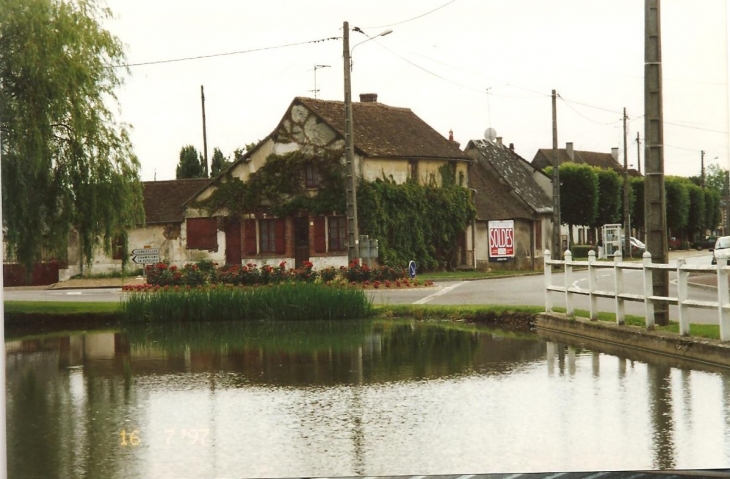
(502, 239)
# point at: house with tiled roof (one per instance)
(513, 208)
(544, 158)
(164, 203)
(389, 142)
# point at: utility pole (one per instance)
(627, 217)
(351, 186)
(638, 151)
(557, 247)
(205, 138)
(702, 171)
(655, 211)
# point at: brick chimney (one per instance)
(368, 97)
(512, 146)
(451, 135)
(569, 150)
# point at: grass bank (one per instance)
(180, 309)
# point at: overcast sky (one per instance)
(464, 65)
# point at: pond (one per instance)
(349, 398)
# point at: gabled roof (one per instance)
(513, 170)
(386, 131)
(493, 199)
(163, 200)
(544, 158)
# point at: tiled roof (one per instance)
(163, 200)
(513, 170)
(493, 199)
(544, 158)
(382, 130)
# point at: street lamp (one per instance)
(351, 186)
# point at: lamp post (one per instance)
(351, 186)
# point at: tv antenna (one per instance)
(316, 67)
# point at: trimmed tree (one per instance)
(218, 163)
(677, 202)
(578, 196)
(610, 187)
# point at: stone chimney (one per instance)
(614, 153)
(368, 97)
(569, 150)
(499, 140)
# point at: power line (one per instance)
(415, 18)
(213, 55)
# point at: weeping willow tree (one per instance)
(66, 162)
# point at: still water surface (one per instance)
(322, 399)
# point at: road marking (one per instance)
(439, 293)
(73, 292)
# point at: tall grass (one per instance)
(287, 301)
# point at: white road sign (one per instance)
(146, 259)
(146, 251)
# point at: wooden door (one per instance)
(233, 241)
(301, 241)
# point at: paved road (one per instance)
(522, 290)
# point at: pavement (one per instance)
(700, 280)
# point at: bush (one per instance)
(581, 250)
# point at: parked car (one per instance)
(637, 247)
(707, 243)
(674, 243)
(721, 250)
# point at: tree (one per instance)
(578, 195)
(677, 202)
(218, 163)
(637, 202)
(610, 187)
(66, 162)
(191, 164)
(697, 211)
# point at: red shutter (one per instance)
(279, 235)
(249, 237)
(202, 233)
(320, 243)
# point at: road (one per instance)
(520, 290)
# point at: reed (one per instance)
(286, 301)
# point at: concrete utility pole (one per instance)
(638, 151)
(557, 246)
(205, 138)
(655, 211)
(351, 186)
(627, 212)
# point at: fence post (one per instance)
(723, 298)
(648, 291)
(548, 276)
(567, 262)
(618, 287)
(682, 294)
(592, 284)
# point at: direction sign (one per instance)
(146, 259)
(146, 251)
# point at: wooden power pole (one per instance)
(205, 137)
(557, 247)
(655, 212)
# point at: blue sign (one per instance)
(412, 269)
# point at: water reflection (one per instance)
(380, 398)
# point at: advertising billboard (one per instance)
(501, 240)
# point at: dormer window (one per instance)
(311, 176)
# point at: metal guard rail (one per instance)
(648, 298)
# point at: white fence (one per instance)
(620, 296)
